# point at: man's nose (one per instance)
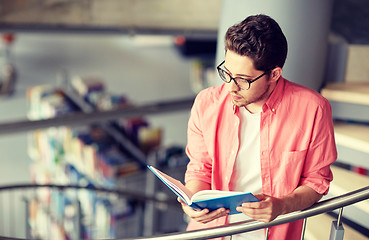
(232, 86)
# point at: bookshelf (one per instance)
(110, 154)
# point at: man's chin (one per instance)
(238, 104)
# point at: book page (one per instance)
(209, 194)
(175, 185)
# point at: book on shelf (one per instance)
(210, 199)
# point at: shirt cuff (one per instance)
(320, 187)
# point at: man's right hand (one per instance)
(203, 216)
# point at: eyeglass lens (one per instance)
(241, 83)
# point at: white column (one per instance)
(306, 24)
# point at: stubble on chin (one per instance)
(245, 102)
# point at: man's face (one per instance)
(242, 66)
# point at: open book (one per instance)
(210, 199)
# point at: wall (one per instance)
(307, 36)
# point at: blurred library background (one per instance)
(93, 91)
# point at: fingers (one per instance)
(265, 211)
(260, 196)
(262, 215)
(203, 216)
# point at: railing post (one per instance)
(303, 229)
(337, 230)
(27, 216)
(78, 220)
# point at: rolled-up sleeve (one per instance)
(322, 152)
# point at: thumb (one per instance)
(261, 196)
(181, 201)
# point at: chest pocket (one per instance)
(288, 172)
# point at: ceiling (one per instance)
(190, 17)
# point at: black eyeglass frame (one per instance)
(221, 71)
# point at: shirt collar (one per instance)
(235, 108)
(275, 98)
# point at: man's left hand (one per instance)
(265, 211)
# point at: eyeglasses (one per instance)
(242, 83)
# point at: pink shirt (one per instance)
(297, 144)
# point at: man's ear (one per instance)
(276, 74)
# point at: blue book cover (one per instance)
(210, 199)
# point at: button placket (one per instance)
(233, 153)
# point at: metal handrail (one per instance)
(127, 194)
(247, 226)
(235, 228)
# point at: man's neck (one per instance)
(257, 107)
(254, 108)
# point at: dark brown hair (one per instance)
(260, 38)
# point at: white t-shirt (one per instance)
(247, 169)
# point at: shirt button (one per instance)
(273, 110)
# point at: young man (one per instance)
(259, 133)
